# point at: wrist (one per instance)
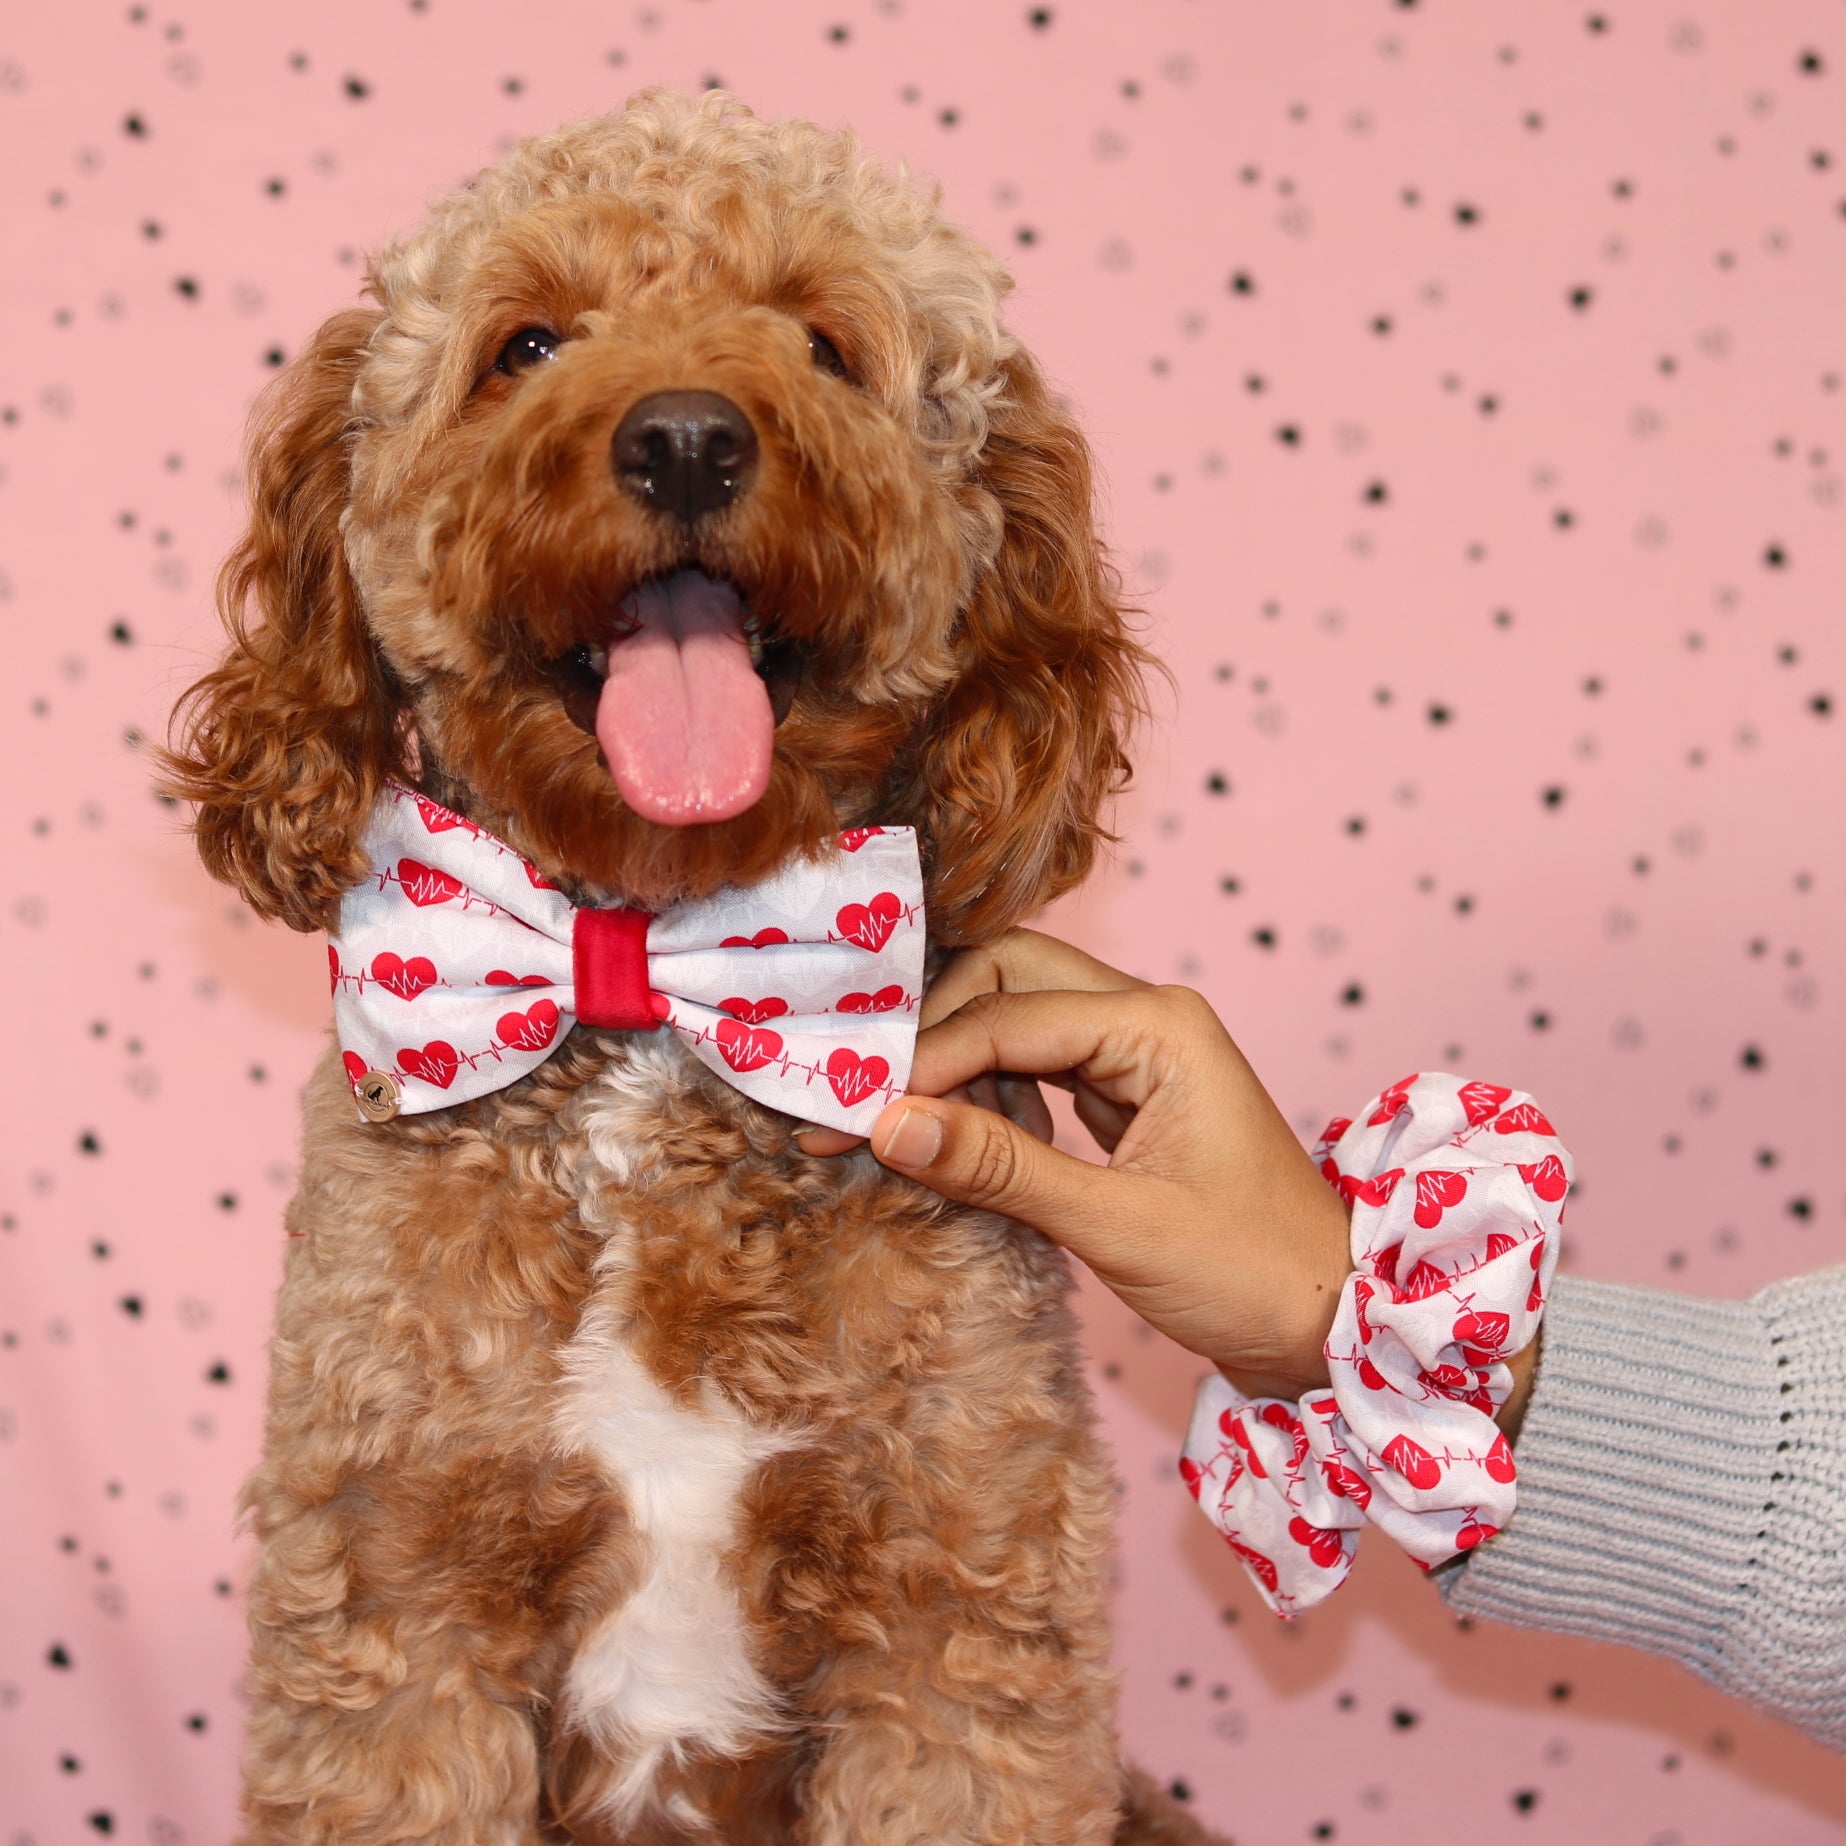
(1523, 1365)
(1301, 1363)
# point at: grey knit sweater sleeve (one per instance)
(1682, 1488)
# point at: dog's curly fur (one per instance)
(878, 1616)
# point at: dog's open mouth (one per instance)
(684, 697)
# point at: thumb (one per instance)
(977, 1157)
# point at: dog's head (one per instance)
(680, 500)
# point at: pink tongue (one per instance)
(683, 719)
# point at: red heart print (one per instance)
(1332, 1132)
(537, 879)
(1371, 1377)
(1535, 1297)
(855, 837)
(885, 1000)
(1447, 1379)
(1528, 1118)
(1346, 1483)
(355, 1067)
(1191, 1473)
(499, 977)
(763, 939)
(1414, 1462)
(870, 925)
(438, 819)
(1499, 1462)
(1241, 1437)
(1384, 1262)
(436, 1063)
(1498, 1243)
(754, 1012)
(1480, 1100)
(424, 885)
(1322, 1543)
(1483, 1333)
(406, 979)
(333, 968)
(1424, 1280)
(1436, 1192)
(1473, 1532)
(1392, 1102)
(747, 1047)
(1378, 1190)
(1546, 1178)
(854, 1078)
(1264, 1568)
(1362, 1292)
(531, 1030)
(1279, 1416)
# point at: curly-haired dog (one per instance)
(630, 1476)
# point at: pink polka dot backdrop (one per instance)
(1467, 380)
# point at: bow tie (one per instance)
(458, 969)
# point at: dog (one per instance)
(630, 1476)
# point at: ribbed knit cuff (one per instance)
(1645, 1464)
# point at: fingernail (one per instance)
(915, 1141)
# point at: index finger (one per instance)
(1021, 961)
(1109, 1037)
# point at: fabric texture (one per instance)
(1682, 1473)
(457, 971)
(1456, 1190)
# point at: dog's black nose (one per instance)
(685, 453)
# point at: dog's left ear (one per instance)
(1008, 781)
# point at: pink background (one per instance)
(1422, 541)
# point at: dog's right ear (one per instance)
(283, 746)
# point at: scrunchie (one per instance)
(1457, 1192)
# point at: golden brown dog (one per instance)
(629, 1475)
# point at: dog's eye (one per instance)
(827, 355)
(528, 347)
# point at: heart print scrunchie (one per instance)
(1457, 1194)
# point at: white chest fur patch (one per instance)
(671, 1667)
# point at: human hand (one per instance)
(1209, 1220)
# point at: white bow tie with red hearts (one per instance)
(458, 969)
